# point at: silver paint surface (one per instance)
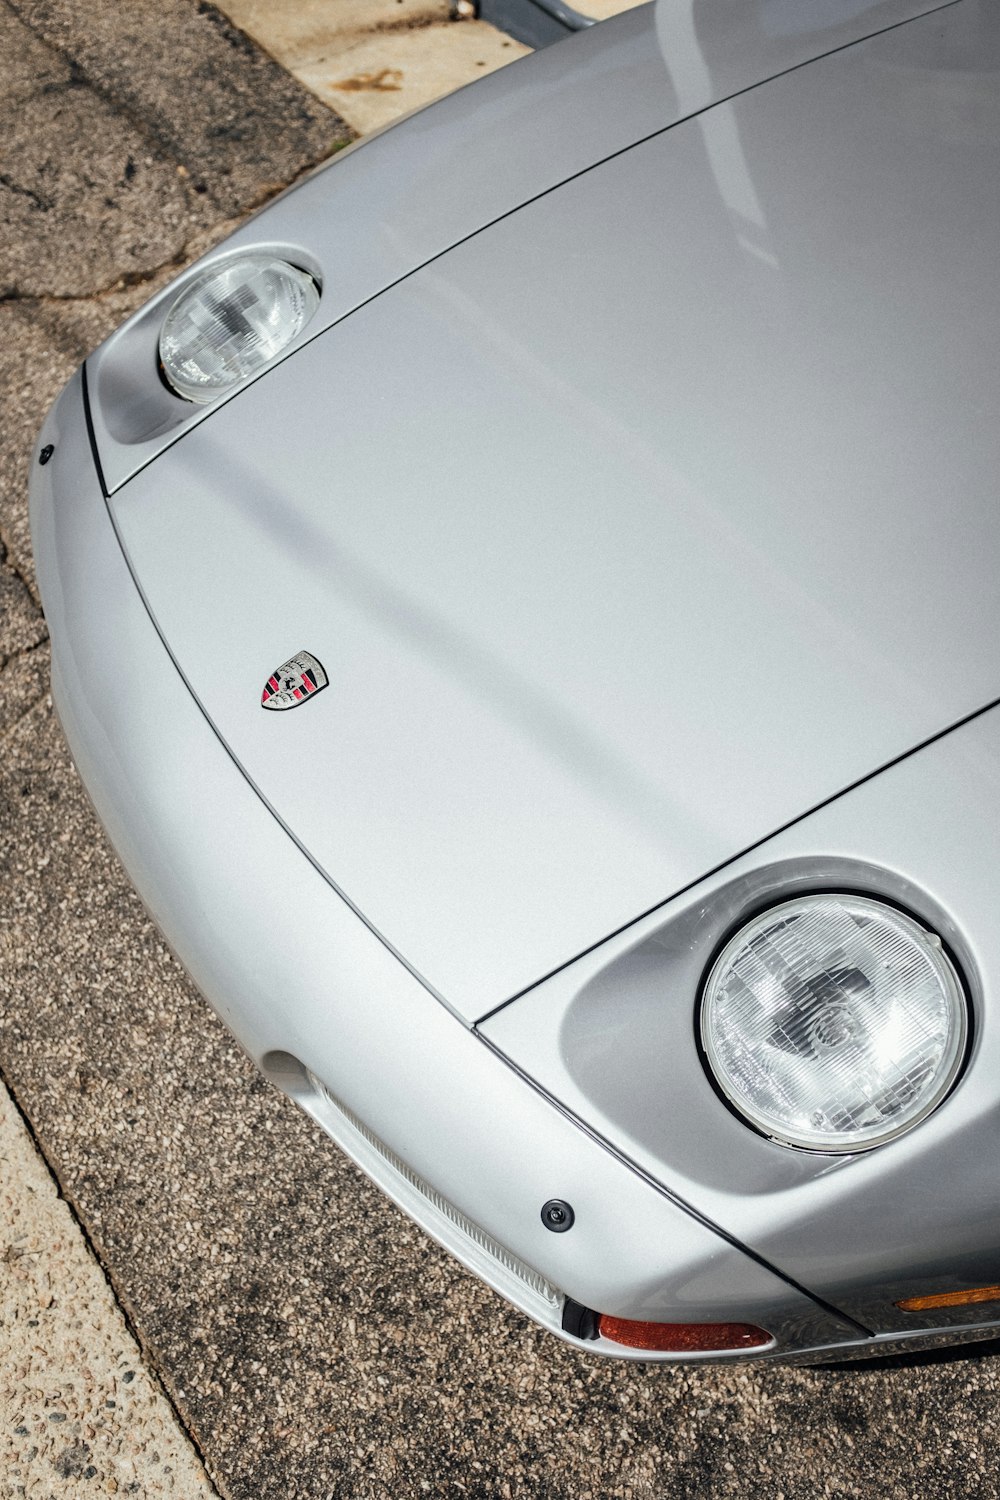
(666, 511)
(614, 1039)
(191, 832)
(399, 199)
(661, 511)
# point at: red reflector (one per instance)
(681, 1338)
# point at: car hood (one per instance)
(398, 199)
(629, 530)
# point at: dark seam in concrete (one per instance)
(44, 204)
(148, 1355)
(121, 284)
(120, 105)
(6, 733)
(407, 23)
(183, 257)
(23, 651)
(162, 141)
(9, 560)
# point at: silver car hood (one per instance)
(629, 530)
(396, 200)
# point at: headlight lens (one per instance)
(834, 1022)
(232, 321)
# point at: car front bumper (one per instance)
(454, 1134)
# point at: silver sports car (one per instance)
(527, 612)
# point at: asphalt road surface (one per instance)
(314, 1343)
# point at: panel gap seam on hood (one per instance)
(526, 203)
(732, 859)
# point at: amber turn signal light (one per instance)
(950, 1299)
(681, 1338)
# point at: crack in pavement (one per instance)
(9, 561)
(81, 77)
(199, 244)
(150, 127)
(24, 651)
(122, 284)
(44, 204)
(40, 697)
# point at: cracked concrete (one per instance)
(87, 197)
(24, 663)
(43, 337)
(205, 96)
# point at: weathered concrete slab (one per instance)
(42, 340)
(374, 60)
(78, 1407)
(385, 75)
(85, 197)
(195, 88)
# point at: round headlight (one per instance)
(231, 321)
(833, 1022)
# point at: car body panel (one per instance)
(649, 567)
(403, 197)
(614, 1038)
(643, 516)
(191, 833)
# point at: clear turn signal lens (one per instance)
(232, 321)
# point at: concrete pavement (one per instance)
(78, 1402)
(374, 60)
(312, 1342)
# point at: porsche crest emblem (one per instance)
(297, 679)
